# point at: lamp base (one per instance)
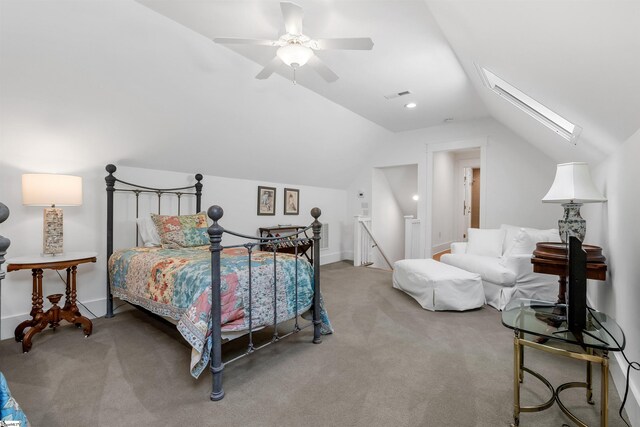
(572, 223)
(52, 231)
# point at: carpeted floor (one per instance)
(389, 363)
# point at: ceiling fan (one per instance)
(296, 49)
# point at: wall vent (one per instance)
(395, 95)
(324, 237)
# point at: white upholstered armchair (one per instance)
(502, 258)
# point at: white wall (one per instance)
(444, 197)
(517, 175)
(387, 220)
(85, 226)
(614, 226)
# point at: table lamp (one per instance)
(572, 187)
(51, 190)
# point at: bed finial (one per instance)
(111, 168)
(316, 212)
(215, 212)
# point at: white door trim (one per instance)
(480, 143)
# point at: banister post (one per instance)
(215, 237)
(317, 229)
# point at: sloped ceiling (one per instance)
(115, 81)
(410, 53)
(577, 58)
(94, 82)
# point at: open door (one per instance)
(475, 198)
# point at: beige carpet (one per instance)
(390, 363)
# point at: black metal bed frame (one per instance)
(216, 232)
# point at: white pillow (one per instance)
(525, 242)
(485, 242)
(148, 232)
(509, 239)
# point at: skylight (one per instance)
(544, 115)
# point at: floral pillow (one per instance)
(182, 231)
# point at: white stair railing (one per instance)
(364, 242)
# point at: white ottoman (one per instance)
(438, 286)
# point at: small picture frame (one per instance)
(291, 201)
(266, 200)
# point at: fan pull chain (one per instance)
(294, 75)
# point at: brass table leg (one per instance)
(517, 376)
(604, 405)
(590, 379)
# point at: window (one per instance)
(544, 115)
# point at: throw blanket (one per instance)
(177, 283)
(9, 408)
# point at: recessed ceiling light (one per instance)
(411, 105)
(416, 197)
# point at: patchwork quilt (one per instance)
(9, 408)
(176, 283)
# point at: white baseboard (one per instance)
(618, 369)
(8, 324)
(328, 258)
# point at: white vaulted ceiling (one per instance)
(142, 83)
(409, 53)
(581, 59)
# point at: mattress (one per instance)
(176, 283)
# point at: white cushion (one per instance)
(148, 232)
(525, 242)
(511, 232)
(490, 269)
(437, 286)
(485, 242)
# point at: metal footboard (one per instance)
(216, 232)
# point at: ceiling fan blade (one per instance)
(269, 68)
(292, 14)
(320, 68)
(363, 43)
(231, 40)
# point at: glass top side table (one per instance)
(546, 321)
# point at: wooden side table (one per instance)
(52, 317)
(551, 258)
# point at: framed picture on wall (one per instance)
(291, 201)
(266, 200)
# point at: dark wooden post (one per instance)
(317, 228)
(198, 192)
(215, 237)
(111, 182)
(4, 245)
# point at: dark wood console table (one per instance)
(551, 258)
(52, 317)
(284, 246)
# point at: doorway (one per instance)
(470, 200)
(455, 192)
(468, 189)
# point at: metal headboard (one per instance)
(191, 190)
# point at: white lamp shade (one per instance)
(41, 189)
(294, 55)
(573, 184)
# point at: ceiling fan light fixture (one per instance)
(294, 55)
